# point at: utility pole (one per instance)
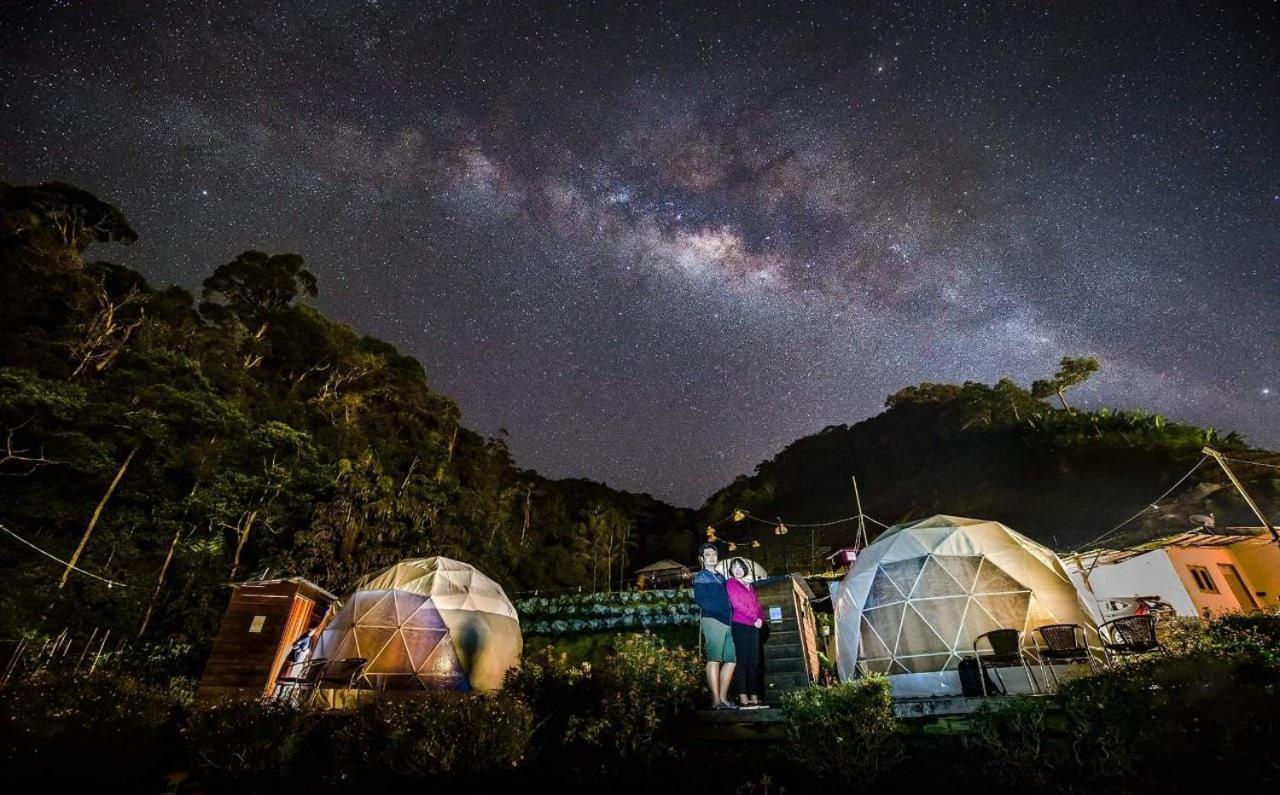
(1209, 451)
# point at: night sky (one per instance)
(657, 246)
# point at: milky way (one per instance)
(656, 246)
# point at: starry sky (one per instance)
(657, 245)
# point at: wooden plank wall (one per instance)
(244, 659)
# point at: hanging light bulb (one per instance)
(739, 515)
(781, 529)
(711, 532)
(732, 546)
(755, 543)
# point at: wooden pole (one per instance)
(1209, 451)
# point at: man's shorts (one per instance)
(719, 641)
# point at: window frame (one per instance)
(1203, 579)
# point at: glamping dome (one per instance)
(916, 599)
(427, 623)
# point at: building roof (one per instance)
(1189, 540)
(305, 583)
(666, 564)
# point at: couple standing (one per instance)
(731, 622)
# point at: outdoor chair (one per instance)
(1006, 652)
(1129, 635)
(1061, 644)
(303, 682)
(339, 674)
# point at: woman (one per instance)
(748, 618)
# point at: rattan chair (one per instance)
(1130, 635)
(1006, 652)
(1061, 644)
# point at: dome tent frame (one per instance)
(916, 599)
(427, 623)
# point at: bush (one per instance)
(104, 727)
(622, 709)
(249, 744)
(1143, 722)
(845, 733)
(1013, 739)
(430, 735)
(638, 693)
(242, 742)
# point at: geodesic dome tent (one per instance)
(427, 623)
(917, 597)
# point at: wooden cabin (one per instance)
(263, 621)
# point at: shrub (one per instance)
(245, 742)
(1145, 720)
(556, 689)
(432, 734)
(1013, 738)
(638, 693)
(845, 733)
(105, 727)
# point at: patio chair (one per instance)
(339, 674)
(1129, 635)
(302, 682)
(1061, 644)
(1006, 652)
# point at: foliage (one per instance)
(242, 740)
(640, 691)
(433, 734)
(1071, 372)
(1011, 738)
(101, 727)
(622, 710)
(993, 451)
(260, 437)
(846, 733)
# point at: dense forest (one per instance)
(1061, 475)
(173, 443)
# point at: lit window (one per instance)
(1203, 579)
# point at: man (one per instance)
(717, 615)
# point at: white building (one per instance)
(1197, 573)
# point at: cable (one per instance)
(109, 583)
(1255, 463)
(1145, 508)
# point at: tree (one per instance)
(1071, 373)
(36, 215)
(254, 287)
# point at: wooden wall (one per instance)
(248, 661)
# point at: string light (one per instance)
(739, 515)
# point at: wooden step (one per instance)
(785, 680)
(784, 665)
(778, 651)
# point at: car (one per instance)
(1123, 606)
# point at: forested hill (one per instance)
(175, 443)
(1057, 474)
